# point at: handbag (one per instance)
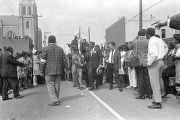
(134, 60)
(42, 65)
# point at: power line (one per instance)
(43, 21)
(9, 6)
(42, 25)
(13, 5)
(142, 12)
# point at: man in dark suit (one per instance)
(9, 74)
(94, 60)
(54, 57)
(141, 50)
(1, 81)
(172, 22)
(113, 66)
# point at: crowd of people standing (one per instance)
(146, 64)
(18, 72)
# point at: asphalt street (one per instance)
(103, 104)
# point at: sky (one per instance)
(63, 18)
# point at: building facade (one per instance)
(116, 32)
(23, 26)
(124, 31)
(39, 41)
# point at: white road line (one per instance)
(119, 117)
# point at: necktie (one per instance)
(91, 52)
(112, 56)
(176, 49)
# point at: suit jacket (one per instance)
(95, 59)
(1, 55)
(77, 60)
(117, 59)
(10, 65)
(175, 22)
(54, 56)
(141, 46)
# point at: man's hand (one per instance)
(159, 24)
(80, 65)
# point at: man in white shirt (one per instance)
(157, 49)
(113, 66)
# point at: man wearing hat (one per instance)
(54, 57)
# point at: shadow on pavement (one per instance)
(68, 98)
(31, 93)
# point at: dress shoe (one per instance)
(97, 88)
(81, 88)
(120, 89)
(6, 99)
(110, 88)
(164, 96)
(155, 106)
(140, 97)
(153, 102)
(19, 97)
(91, 89)
(54, 103)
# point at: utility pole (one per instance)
(89, 34)
(45, 37)
(79, 40)
(79, 32)
(140, 14)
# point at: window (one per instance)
(29, 10)
(24, 10)
(27, 24)
(10, 34)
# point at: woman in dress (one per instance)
(36, 67)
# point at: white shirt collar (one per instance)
(51, 43)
